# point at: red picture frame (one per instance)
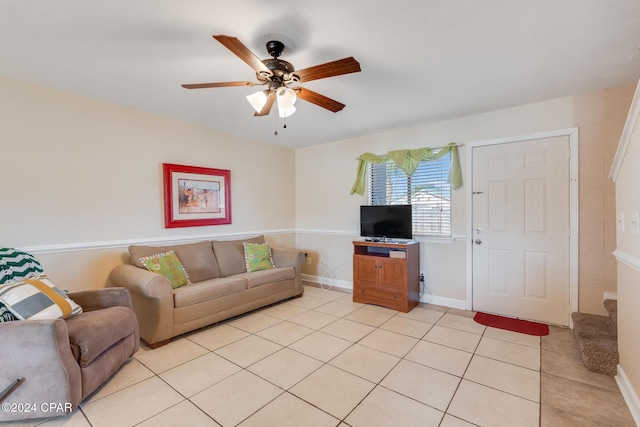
(196, 196)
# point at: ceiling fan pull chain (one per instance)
(275, 132)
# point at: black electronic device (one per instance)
(386, 222)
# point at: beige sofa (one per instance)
(221, 288)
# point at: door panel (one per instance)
(366, 269)
(521, 229)
(498, 202)
(536, 280)
(498, 271)
(393, 273)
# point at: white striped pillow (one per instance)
(37, 298)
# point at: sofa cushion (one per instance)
(37, 298)
(198, 258)
(230, 255)
(93, 332)
(206, 290)
(263, 277)
(257, 256)
(168, 265)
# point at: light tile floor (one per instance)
(322, 360)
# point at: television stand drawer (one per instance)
(390, 298)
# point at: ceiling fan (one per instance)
(277, 75)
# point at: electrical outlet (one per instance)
(308, 260)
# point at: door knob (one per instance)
(478, 242)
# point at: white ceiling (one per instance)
(422, 60)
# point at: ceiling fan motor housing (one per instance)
(275, 48)
(281, 71)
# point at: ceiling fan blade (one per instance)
(220, 84)
(330, 69)
(243, 52)
(267, 107)
(319, 100)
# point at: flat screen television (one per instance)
(386, 221)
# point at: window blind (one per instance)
(427, 191)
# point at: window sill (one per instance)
(439, 240)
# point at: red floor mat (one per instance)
(511, 324)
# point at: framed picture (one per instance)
(196, 196)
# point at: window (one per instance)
(426, 190)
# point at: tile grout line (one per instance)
(315, 329)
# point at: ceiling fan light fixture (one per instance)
(286, 97)
(258, 100)
(286, 112)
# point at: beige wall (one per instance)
(626, 174)
(327, 215)
(600, 117)
(78, 174)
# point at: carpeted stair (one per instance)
(597, 338)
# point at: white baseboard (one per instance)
(611, 295)
(629, 394)
(427, 299)
(445, 302)
(327, 281)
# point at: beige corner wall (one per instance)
(626, 173)
(81, 179)
(600, 117)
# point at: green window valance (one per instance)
(408, 161)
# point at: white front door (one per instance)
(521, 229)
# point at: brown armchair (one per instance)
(61, 362)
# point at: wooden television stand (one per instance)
(387, 274)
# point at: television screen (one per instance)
(386, 221)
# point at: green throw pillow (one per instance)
(257, 256)
(168, 265)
